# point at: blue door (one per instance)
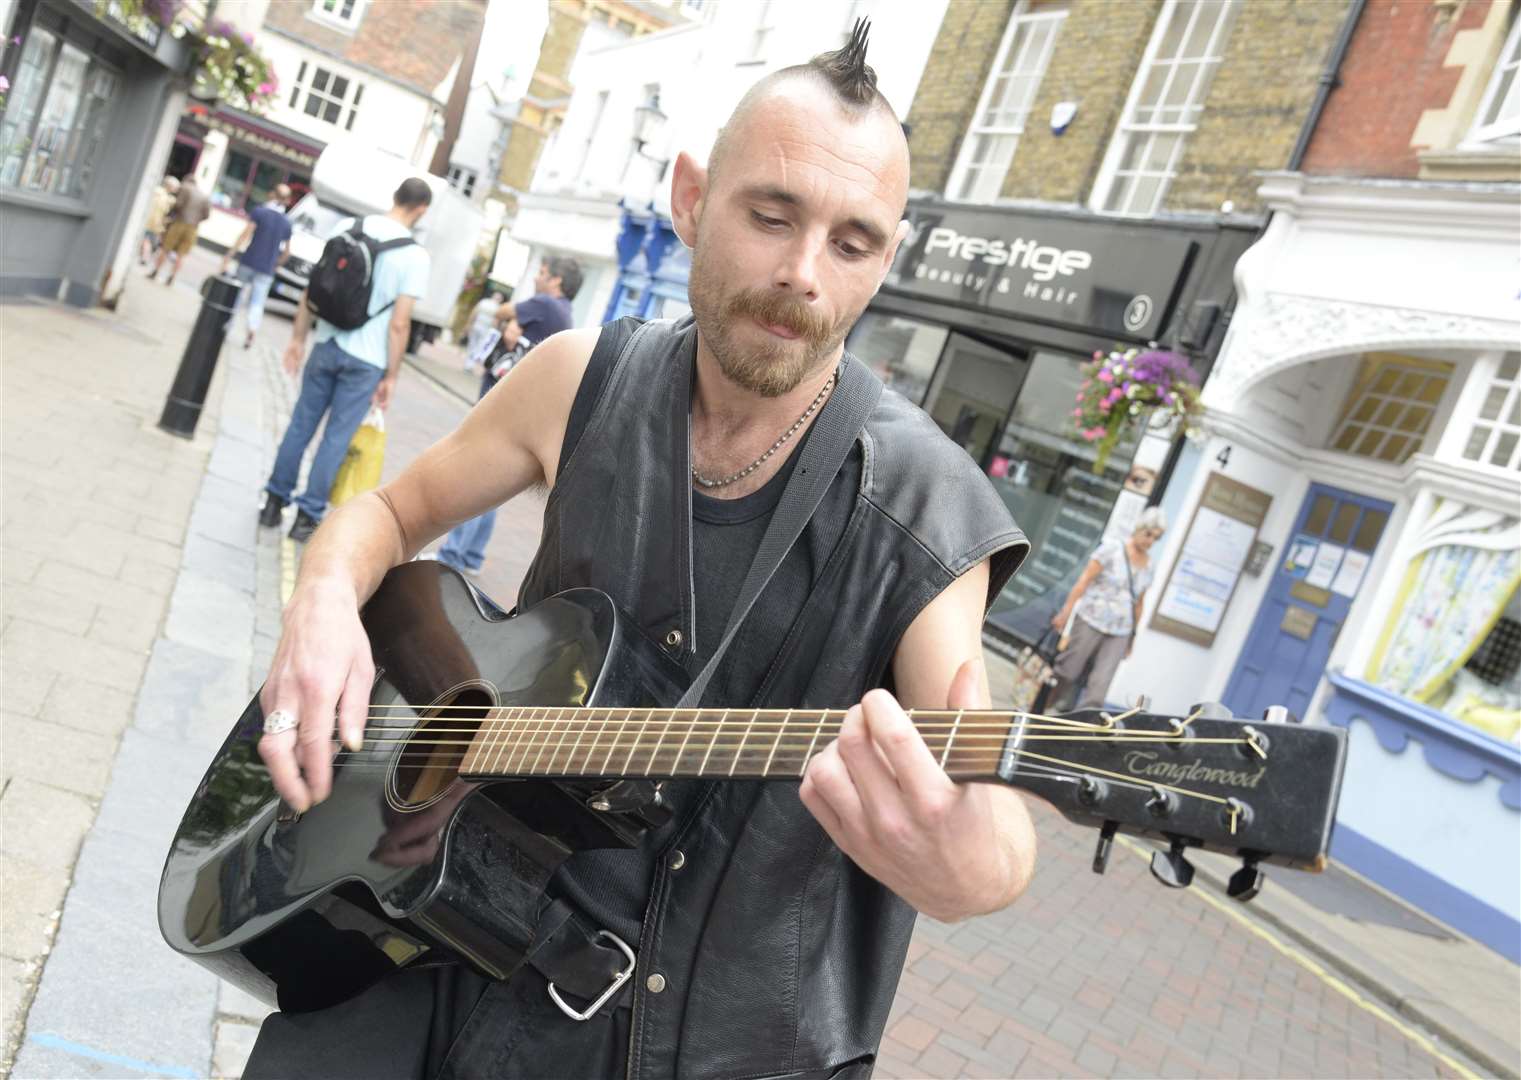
(1317, 576)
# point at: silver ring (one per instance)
(278, 721)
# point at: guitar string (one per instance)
(1002, 721)
(1083, 768)
(807, 736)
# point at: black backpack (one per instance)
(340, 284)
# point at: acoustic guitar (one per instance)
(497, 744)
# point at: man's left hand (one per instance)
(884, 799)
(382, 398)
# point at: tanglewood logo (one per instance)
(1145, 763)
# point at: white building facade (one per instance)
(1368, 402)
(601, 192)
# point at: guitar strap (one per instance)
(855, 396)
(563, 950)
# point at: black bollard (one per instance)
(182, 409)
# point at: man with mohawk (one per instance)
(770, 920)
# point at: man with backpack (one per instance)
(361, 293)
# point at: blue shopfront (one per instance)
(653, 265)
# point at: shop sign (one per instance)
(1094, 274)
(1215, 551)
(258, 141)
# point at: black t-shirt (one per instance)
(611, 887)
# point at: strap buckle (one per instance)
(612, 987)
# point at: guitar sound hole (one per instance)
(430, 761)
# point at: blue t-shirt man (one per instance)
(542, 315)
(271, 232)
(402, 271)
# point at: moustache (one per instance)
(777, 310)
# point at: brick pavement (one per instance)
(1118, 976)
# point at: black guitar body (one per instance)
(397, 863)
(406, 859)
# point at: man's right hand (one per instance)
(322, 665)
(295, 352)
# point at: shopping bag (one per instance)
(1033, 674)
(360, 470)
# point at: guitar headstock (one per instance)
(1265, 790)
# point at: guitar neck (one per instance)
(742, 744)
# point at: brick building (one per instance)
(573, 25)
(1123, 144)
(1368, 399)
(377, 73)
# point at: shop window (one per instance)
(341, 13)
(248, 181)
(330, 97)
(1165, 103)
(57, 117)
(1390, 407)
(901, 351)
(989, 146)
(463, 179)
(1495, 438)
(1499, 115)
(1451, 640)
(1045, 474)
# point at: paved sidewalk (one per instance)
(105, 652)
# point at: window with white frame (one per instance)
(343, 13)
(58, 116)
(1495, 438)
(765, 22)
(1165, 103)
(462, 179)
(1391, 406)
(990, 141)
(1499, 114)
(330, 97)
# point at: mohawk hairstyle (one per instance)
(846, 68)
(844, 71)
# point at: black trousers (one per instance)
(444, 1022)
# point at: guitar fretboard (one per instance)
(754, 744)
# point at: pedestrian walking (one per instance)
(482, 320)
(159, 205)
(1105, 609)
(352, 368)
(262, 246)
(542, 315)
(191, 207)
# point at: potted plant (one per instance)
(230, 69)
(1126, 389)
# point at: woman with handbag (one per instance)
(1105, 610)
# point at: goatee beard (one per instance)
(779, 365)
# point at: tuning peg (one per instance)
(1162, 802)
(1142, 702)
(1171, 868)
(1105, 842)
(1091, 792)
(1246, 882)
(1278, 714)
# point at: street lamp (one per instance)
(649, 122)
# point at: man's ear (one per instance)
(689, 189)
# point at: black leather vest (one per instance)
(779, 956)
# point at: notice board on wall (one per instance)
(1215, 550)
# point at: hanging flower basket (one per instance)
(1125, 390)
(230, 69)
